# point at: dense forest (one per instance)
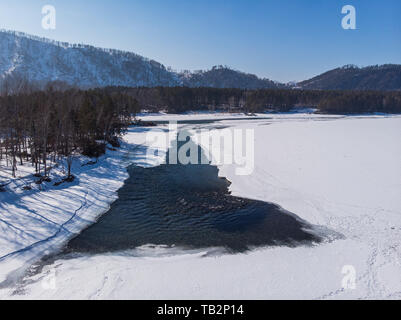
(181, 99)
(43, 126)
(59, 122)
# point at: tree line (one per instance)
(44, 126)
(182, 99)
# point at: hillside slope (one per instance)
(385, 77)
(41, 60)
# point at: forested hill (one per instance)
(379, 78)
(224, 77)
(40, 61)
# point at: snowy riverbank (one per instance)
(39, 221)
(342, 173)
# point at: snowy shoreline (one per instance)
(37, 223)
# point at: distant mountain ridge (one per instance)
(224, 77)
(40, 61)
(385, 77)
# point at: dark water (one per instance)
(188, 206)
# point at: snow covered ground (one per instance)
(39, 221)
(342, 173)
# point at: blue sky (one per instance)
(282, 40)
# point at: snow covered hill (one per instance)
(42, 60)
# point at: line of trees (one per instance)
(44, 126)
(181, 99)
(359, 102)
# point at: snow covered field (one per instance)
(342, 173)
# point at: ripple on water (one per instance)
(188, 206)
